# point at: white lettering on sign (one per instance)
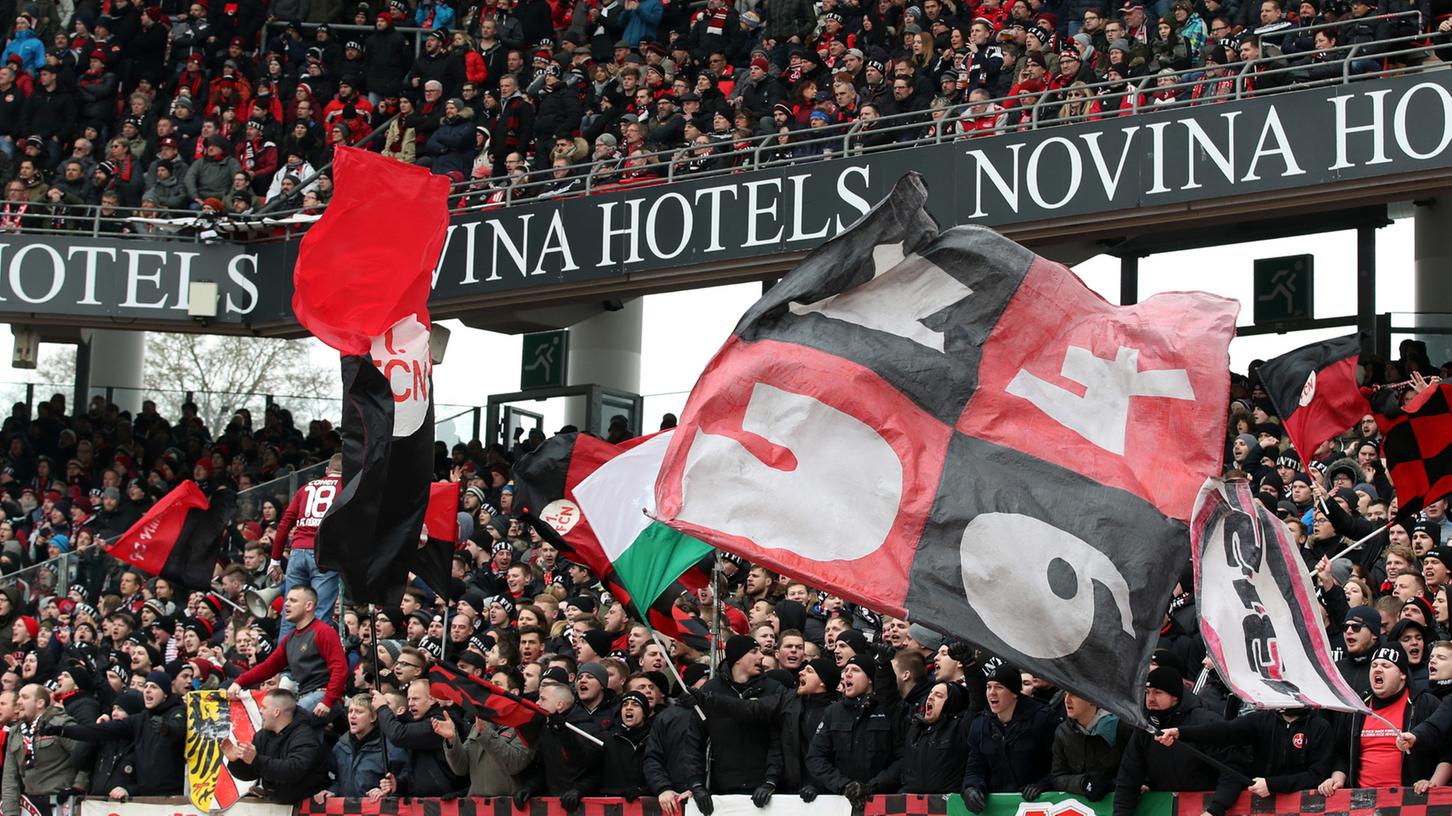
(902, 292)
(846, 482)
(1102, 414)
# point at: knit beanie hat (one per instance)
(828, 671)
(1168, 680)
(737, 647)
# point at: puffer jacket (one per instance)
(356, 765)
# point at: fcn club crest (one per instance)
(1068, 807)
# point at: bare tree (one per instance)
(228, 373)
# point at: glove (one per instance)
(1031, 792)
(857, 792)
(809, 793)
(48, 730)
(570, 800)
(631, 794)
(702, 798)
(555, 721)
(961, 652)
(762, 797)
(1096, 788)
(521, 798)
(884, 652)
(974, 799)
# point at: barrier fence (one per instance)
(1351, 802)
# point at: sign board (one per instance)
(542, 360)
(1284, 289)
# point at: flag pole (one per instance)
(715, 611)
(373, 643)
(1369, 536)
(675, 672)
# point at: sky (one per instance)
(682, 330)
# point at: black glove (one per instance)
(570, 800)
(555, 721)
(857, 792)
(702, 798)
(762, 797)
(884, 652)
(1031, 792)
(48, 730)
(961, 652)
(631, 794)
(521, 798)
(974, 799)
(809, 793)
(1096, 788)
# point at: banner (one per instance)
(211, 719)
(1258, 612)
(176, 807)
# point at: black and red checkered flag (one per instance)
(950, 428)
(481, 699)
(1417, 444)
(1315, 391)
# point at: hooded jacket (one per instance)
(1088, 757)
(622, 766)
(935, 754)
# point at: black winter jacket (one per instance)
(859, 740)
(622, 767)
(1082, 758)
(429, 773)
(743, 754)
(565, 760)
(158, 734)
(676, 738)
(1005, 757)
(1292, 756)
(935, 755)
(1146, 762)
(290, 765)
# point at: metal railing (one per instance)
(728, 154)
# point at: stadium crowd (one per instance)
(221, 106)
(810, 694)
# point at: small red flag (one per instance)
(369, 261)
(179, 538)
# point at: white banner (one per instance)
(177, 807)
(1258, 612)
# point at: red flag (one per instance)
(1315, 391)
(179, 538)
(442, 516)
(369, 261)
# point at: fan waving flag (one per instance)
(545, 483)
(948, 428)
(364, 291)
(1315, 391)
(180, 537)
(1417, 444)
(1258, 612)
(619, 501)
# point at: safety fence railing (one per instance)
(725, 154)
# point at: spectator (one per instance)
(357, 763)
(1088, 746)
(857, 749)
(311, 652)
(286, 760)
(1375, 758)
(429, 773)
(211, 175)
(158, 733)
(1008, 744)
(935, 744)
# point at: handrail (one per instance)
(732, 155)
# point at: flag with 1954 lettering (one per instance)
(1258, 612)
(948, 427)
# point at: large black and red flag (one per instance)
(180, 538)
(1315, 391)
(1417, 444)
(481, 699)
(545, 482)
(439, 538)
(361, 285)
(946, 427)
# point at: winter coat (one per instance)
(1419, 764)
(622, 765)
(452, 145)
(859, 740)
(28, 47)
(567, 761)
(159, 734)
(1084, 758)
(640, 23)
(743, 754)
(1148, 763)
(169, 194)
(289, 763)
(49, 113)
(676, 738)
(388, 58)
(50, 771)
(1008, 756)
(935, 755)
(429, 772)
(494, 758)
(208, 177)
(1292, 755)
(357, 766)
(800, 716)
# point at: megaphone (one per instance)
(259, 602)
